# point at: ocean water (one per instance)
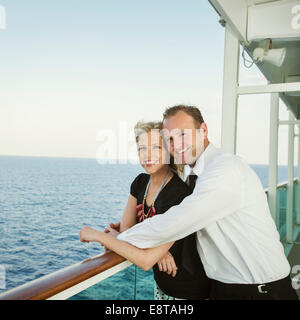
(44, 202)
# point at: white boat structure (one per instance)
(269, 32)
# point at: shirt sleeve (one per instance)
(134, 187)
(218, 192)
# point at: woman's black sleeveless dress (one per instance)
(184, 285)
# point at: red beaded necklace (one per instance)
(151, 211)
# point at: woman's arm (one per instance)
(128, 218)
(129, 215)
(144, 258)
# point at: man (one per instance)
(236, 237)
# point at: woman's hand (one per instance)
(115, 226)
(112, 232)
(88, 234)
(167, 264)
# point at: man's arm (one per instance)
(218, 193)
(144, 258)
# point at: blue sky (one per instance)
(70, 68)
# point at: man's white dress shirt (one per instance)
(237, 239)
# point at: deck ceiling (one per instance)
(260, 1)
(253, 21)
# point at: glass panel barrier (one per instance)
(296, 202)
(144, 284)
(120, 286)
(281, 211)
(131, 283)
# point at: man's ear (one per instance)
(203, 126)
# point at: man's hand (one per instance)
(88, 234)
(167, 264)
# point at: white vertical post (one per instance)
(273, 154)
(230, 86)
(298, 180)
(290, 185)
(2, 17)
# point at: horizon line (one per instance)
(107, 159)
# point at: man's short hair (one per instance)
(194, 112)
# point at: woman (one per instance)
(150, 194)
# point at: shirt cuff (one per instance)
(122, 236)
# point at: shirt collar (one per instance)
(202, 161)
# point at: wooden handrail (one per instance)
(49, 285)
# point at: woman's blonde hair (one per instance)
(145, 127)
